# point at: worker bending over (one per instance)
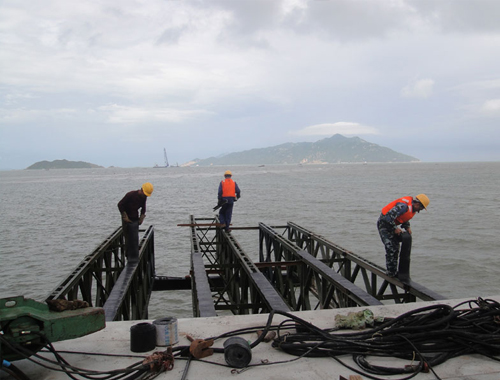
(395, 216)
(129, 209)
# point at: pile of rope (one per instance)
(429, 335)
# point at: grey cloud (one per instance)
(339, 19)
(171, 36)
(347, 20)
(250, 16)
(476, 16)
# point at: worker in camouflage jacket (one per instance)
(394, 217)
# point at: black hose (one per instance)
(429, 336)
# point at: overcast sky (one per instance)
(115, 82)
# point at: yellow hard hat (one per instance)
(228, 172)
(147, 188)
(424, 199)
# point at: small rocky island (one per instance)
(62, 164)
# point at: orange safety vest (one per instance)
(407, 215)
(228, 188)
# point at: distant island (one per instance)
(62, 164)
(335, 149)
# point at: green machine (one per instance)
(27, 325)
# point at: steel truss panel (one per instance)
(103, 266)
(358, 270)
(302, 271)
(130, 296)
(203, 305)
(309, 278)
(241, 287)
(246, 286)
(99, 275)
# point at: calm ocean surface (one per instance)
(52, 219)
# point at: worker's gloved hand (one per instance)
(125, 217)
(141, 219)
(397, 231)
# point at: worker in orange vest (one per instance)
(394, 217)
(229, 192)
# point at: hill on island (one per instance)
(62, 164)
(334, 149)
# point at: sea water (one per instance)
(53, 218)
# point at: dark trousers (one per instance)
(225, 214)
(404, 257)
(392, 244)
(131, 233)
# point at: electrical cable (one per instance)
(428, 336)
(432, 334)
(12, 370)
(135, 371)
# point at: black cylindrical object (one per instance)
(404, 257)
(237, 352)
(142, 337)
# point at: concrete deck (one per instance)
(115, 339)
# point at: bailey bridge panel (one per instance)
(359, 270)
(298, 270)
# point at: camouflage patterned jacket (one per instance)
(390, 218)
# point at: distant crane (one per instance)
(166, 160)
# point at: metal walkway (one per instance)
(104, 278)
(305, 270)
(296, 270)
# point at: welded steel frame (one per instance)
(236, 283)
(202, 302)
(129, 299)
(369, 276)
(304, 278)
(246, 290)
(96, 276)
